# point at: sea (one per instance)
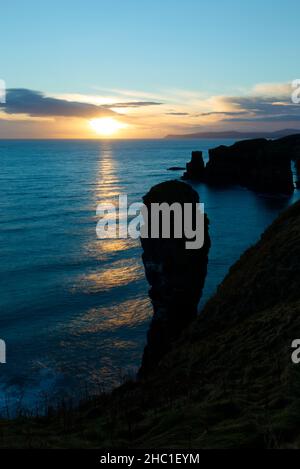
(74, 309)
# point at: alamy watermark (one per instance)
(178, 221)
(296, 353)
(296, 93)
(2, 352)
(2, 92)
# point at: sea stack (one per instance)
(176, 275)
(195, 170)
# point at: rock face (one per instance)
(195, 170)
(261, 165)
(290, 146)
(230, 378)
(176, 276)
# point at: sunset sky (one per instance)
(144, 69)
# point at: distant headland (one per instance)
(236, 134)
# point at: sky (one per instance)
(144, 69)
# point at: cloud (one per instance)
(268, 109)
(132, 104)
(272, 89)
(223, 113)
(278, 118)
(270, 102)
(177, 114)
(37, 104)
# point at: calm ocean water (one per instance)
(74, 310)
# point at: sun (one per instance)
(106, 126)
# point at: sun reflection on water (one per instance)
(128, 314)
(111, 330)
(118, 274)
(103, 250)
(107, 190)
(108, 184)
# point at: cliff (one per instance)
(227, 382)
(261, 165)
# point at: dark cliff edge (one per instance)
(227, 382)
(260, 165)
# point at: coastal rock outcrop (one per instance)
(195, 170)
(261, 165)
(176, 275)
(289, 145)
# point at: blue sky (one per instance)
(215, 47)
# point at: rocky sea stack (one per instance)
(195, 170)
(176, 275)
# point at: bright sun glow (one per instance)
(106, 126)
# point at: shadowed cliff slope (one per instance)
(229, 381)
